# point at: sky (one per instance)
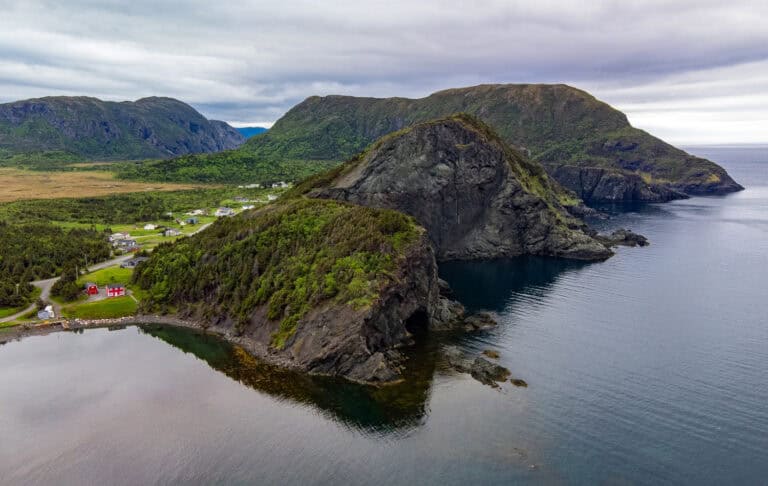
(691, 72)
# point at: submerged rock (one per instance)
(623, 237)
(491, 353)
(487, 372)
(479, 321)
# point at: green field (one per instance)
(103, 309)
(107, 276)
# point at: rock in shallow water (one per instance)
(623, 237)
(488, 373)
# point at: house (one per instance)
(115, 290)
(172, 232)
(46, 313)
(224, 212)
(249, 186)
(280, 185)
(192, 220)
(150, 227)
(196, 212)
(248, 206)
(127, 244)
(91, 289)
(271, 197)
(133, 262)
(118, 236)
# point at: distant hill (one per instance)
(103, 130)
(587, 145)
(249, 132)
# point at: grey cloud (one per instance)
(242, 61)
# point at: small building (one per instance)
(224, 212)
(46, 313)
(127, 244)
(280, 185)
(248, 206)
(115, 290)
(241, 199)
(150, 227)
(192, 220)
(172, 232)
(118, 236)
(271, 197)
(133, 262)
(196, 212)
(91, 288)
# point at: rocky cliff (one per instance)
(575, 136)
(319, 286)
(476, 196)
(95, 129)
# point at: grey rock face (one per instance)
(473, 199)
(595, 184)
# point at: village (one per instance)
(106, 291)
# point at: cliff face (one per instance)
(95, 129)
(476, 196)
(557, 125)
(318, 286)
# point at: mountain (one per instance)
(103, 130)
(249, 132)
(315, 285)
(476, 196)
(584, 143)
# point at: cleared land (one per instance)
(16, 184)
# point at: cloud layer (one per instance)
(692, 72)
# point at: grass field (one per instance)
(107, 276)
(102, 309)
(16, 184)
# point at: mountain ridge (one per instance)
(586, 144)
(92, 129)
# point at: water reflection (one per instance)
(395, 408)
(488, 285)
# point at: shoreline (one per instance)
(254, 348)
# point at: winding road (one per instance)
(46, 285)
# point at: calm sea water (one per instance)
(650, 368)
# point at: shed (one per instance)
(91, 288)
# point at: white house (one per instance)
(118, 236)
(271, 197)
(248, 206)
(280, 185)
(172, 232)
(224, 212)
(196, 212)
(46, 313)
(150, 227)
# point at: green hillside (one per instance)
(557, 125)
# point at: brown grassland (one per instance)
(18, 184)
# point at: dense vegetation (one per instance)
(119, 208)
(288, 258)
(40, 250)
(95, 129)
(554, 124)
(231, 166)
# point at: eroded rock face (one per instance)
(596, 184)
(475, 196)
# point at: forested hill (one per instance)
(92, 129)
(586, 144)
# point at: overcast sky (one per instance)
(695, 72)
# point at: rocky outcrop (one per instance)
(596, 184)
(314, 285)
(104, 130)
(477, 197)
(623, 237)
